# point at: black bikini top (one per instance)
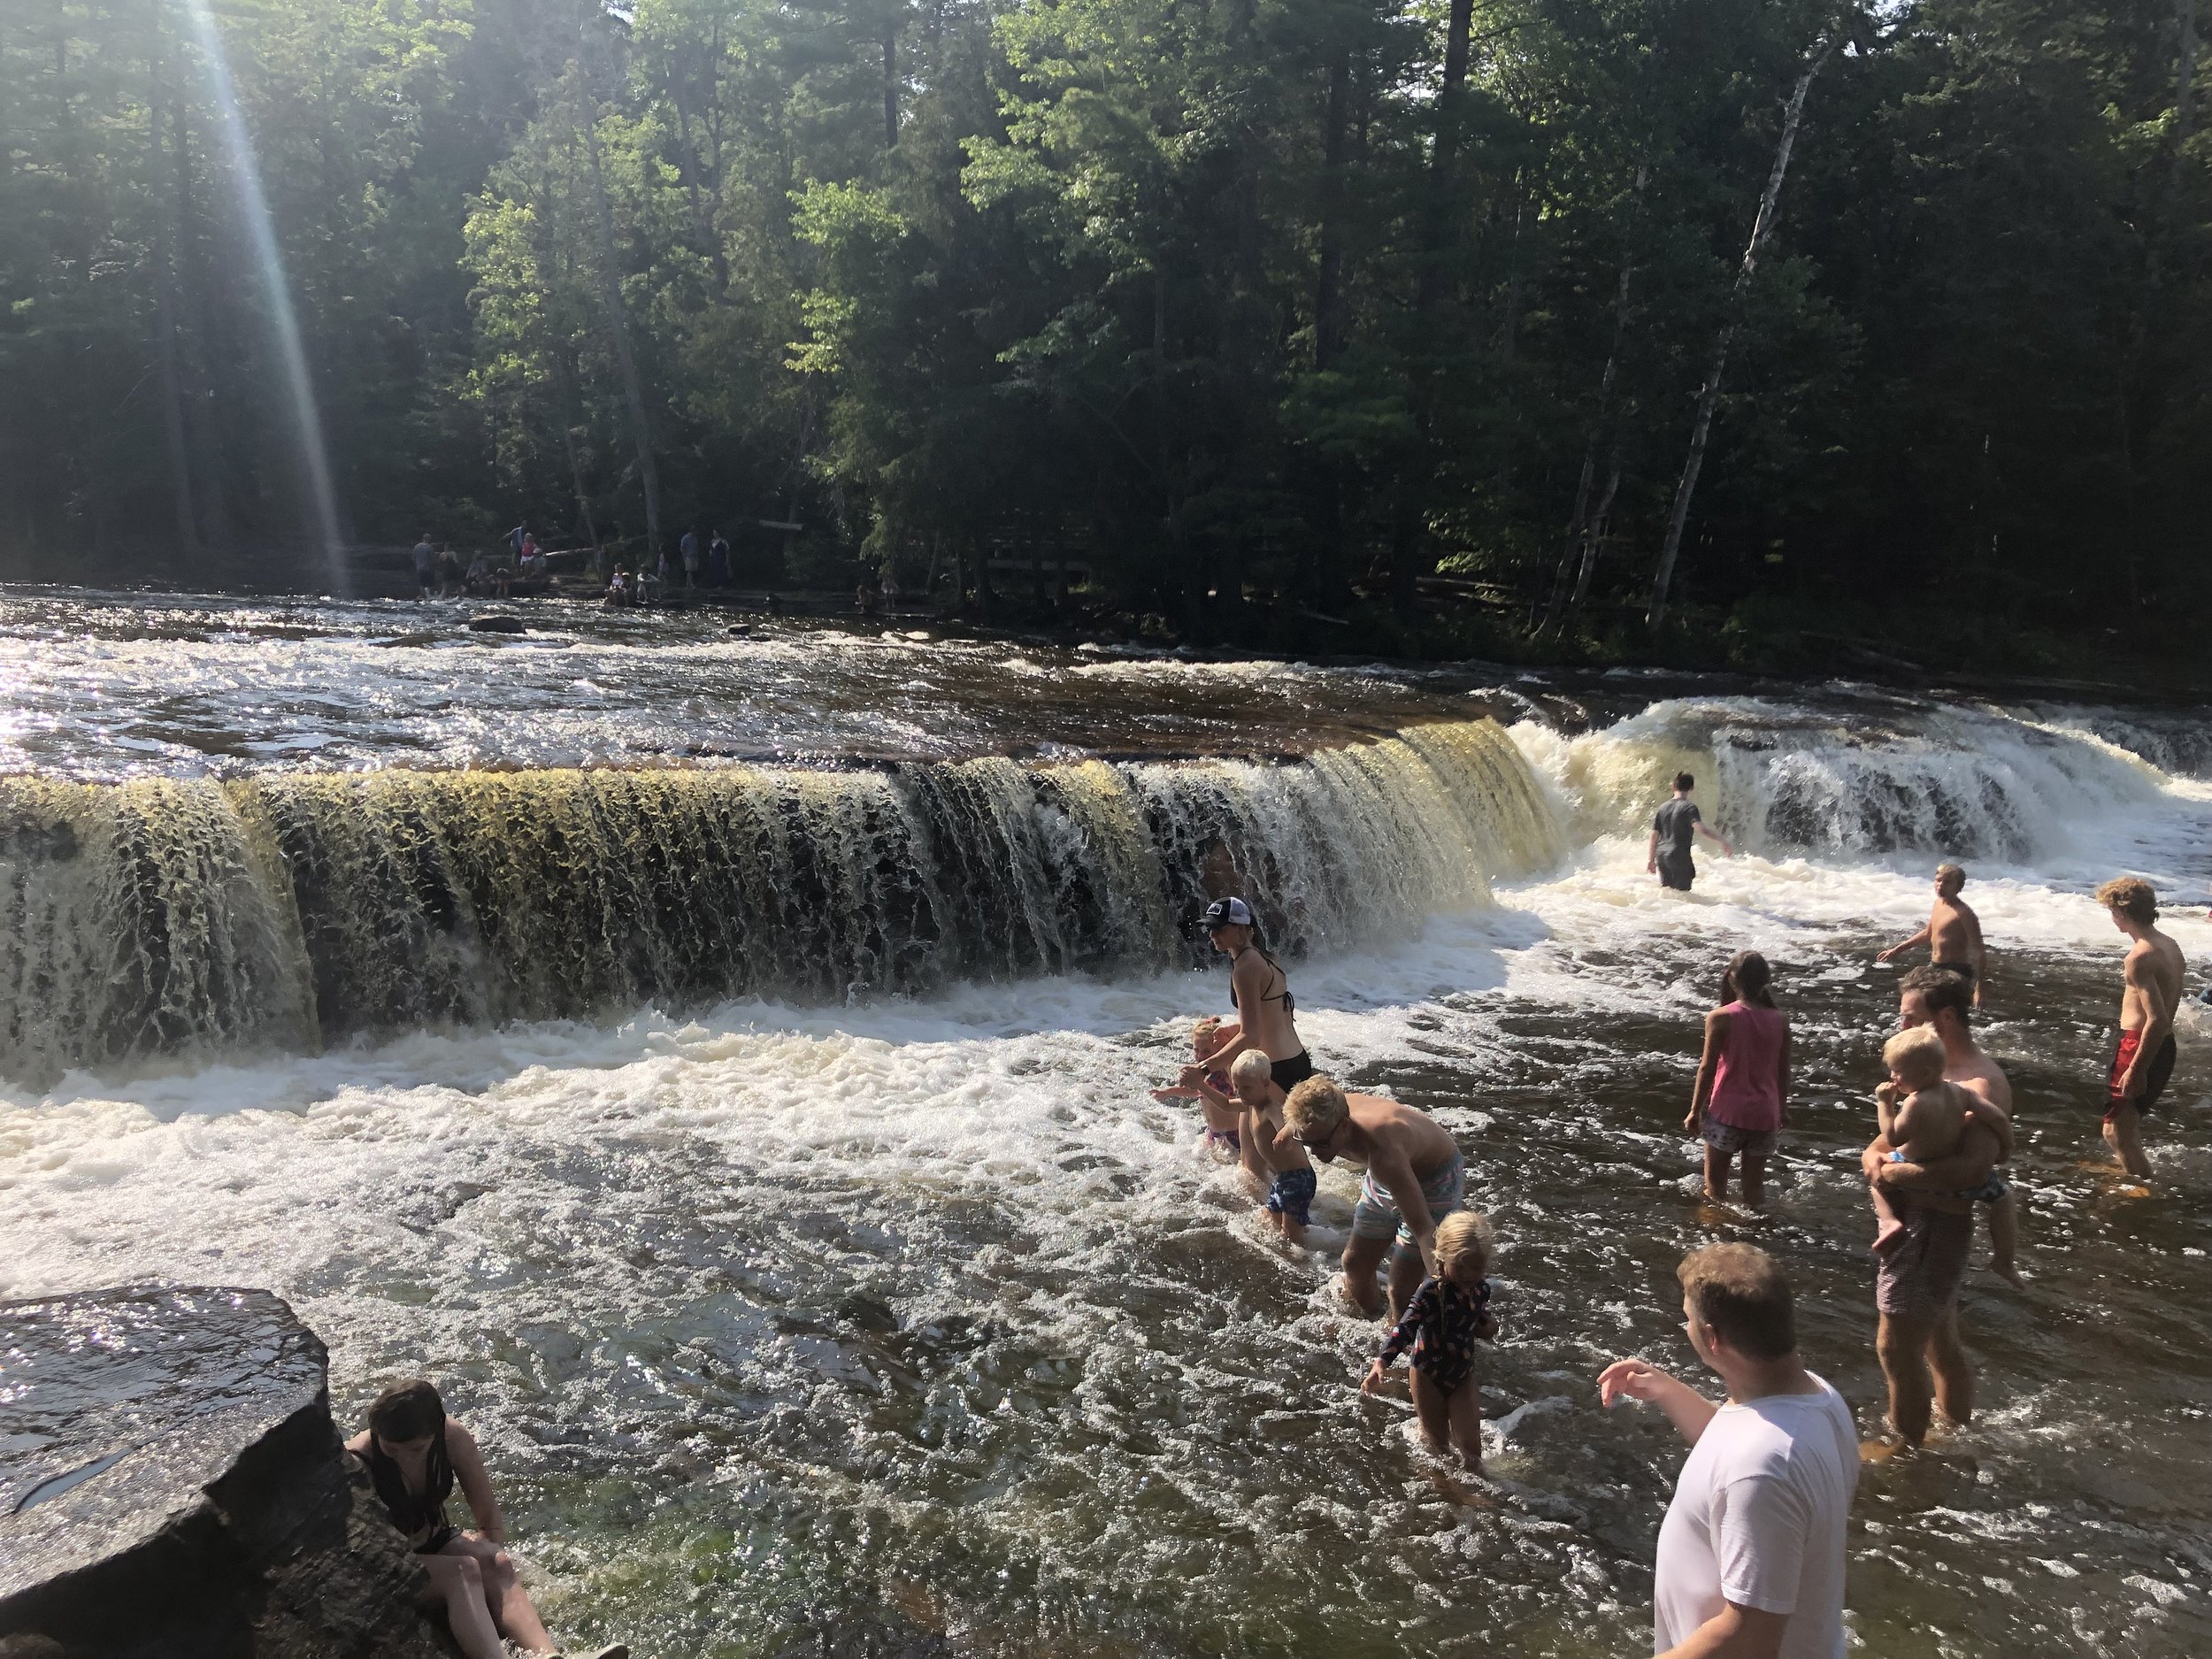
(1289, 1003)
(413, 1512)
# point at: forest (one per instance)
(1515, 326)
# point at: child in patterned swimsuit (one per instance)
(1214, 1096)
(1448, 1316)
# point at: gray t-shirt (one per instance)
(1677, 823)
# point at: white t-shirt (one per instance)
(1758, 1519)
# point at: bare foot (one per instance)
(2008, 1271)
(1890, 1237)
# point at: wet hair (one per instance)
(1252, 1063)
(1739, 1290)
(1314, 1107)
(2132, 896)
(1685, 782)
(1206, 1025)
(1459, 1235)
(411, 1410)
(1917, 1053)
(1940, 988)
(1950, 878)
(1746, 976)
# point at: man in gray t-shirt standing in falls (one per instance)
(1677, 823)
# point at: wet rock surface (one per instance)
(172, 1485)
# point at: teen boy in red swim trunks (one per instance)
(2151, 991)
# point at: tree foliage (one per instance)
(1258, 308)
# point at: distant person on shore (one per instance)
(415, 1453)
(1751, 1555)
(426, 566)
(890, 584)
(517, 536)
(1953, 934)
(478, 579)
(1266, 1136)
(688, 548)
(1414, 1178)
(448, 568)
(1742, 1096)
(1941, 1001)
(2151, 980)
(1673, 829)
(1445, 1318)
(1260, 992)
(718, 561)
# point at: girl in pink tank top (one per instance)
(1743, 1080)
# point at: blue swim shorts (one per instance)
(1292, 1195)
(1376, 1215)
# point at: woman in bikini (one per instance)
(1260, 992)
(415, 1453)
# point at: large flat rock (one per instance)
(171, 1483)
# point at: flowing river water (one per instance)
(721, 1061)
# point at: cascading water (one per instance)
(834, 1281)
(1782, 779)
(148, 919)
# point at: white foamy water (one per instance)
(915, 1314)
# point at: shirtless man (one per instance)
(2151, 991)
(1414, 1178)
(1953, 933)
(1260, 991)
(1916, 1288)
(1942, 998)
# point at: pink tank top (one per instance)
(1747, 1085)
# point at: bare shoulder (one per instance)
(459, 1442)
(1985, 1080)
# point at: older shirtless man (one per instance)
(1414, 1178)
(1943, 1000)
(1918, 1286)
(2150, 992)
(1953, 934)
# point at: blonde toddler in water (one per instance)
(1291, 1180)
(1448, 1316)
(1922, 1116)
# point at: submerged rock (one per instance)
(172, 1485)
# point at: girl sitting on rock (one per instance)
(414, 1454)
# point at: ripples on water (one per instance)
(918, 1319)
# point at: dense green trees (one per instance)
(1261, 310)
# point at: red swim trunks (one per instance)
(2155, 1075)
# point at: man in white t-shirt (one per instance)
(1751, 1554)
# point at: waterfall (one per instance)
(1779, 780)
(289, 910)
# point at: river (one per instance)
(720, 1060)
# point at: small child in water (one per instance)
(1448, 1316)
(1213, 1094)
(1923, 1118)
(1289, 1171)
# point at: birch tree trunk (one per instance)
(165, 323)
(618, 324)
(1708, 394)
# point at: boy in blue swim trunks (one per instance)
(1289, 1203)
(1414, 1178)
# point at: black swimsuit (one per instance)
(1285, 1074)
(419, 1515)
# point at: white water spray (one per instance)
(253, 208)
